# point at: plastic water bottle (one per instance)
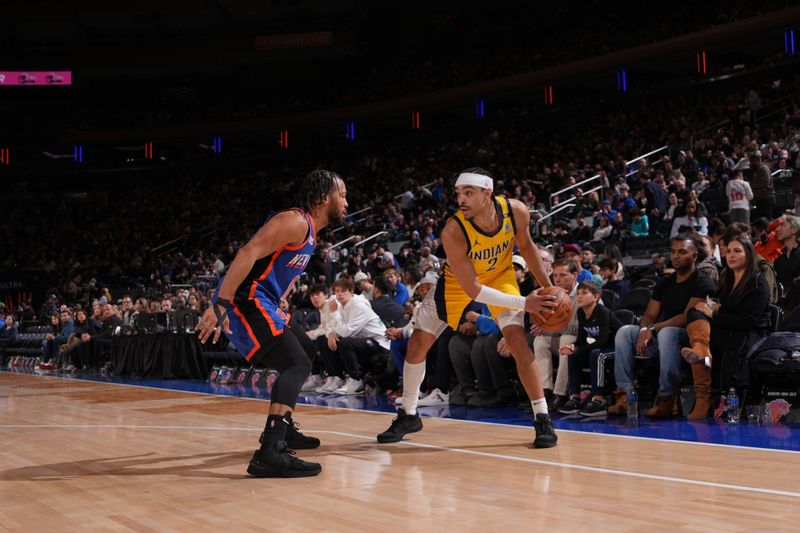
(733, 407)
(633, 407)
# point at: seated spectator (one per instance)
(8, 334)
(102, 341)
(716, 229)
(62, 329)
(765, 267)
(587, 258)
(701, 183)
(399, 290)
(412, 277)
(494, 388)
(721, 334)
(81, 332)
(390, 312)
(561, 232)
(605, 211)
(547, 345)
(95, 350)
(77, 351)
(787, 264)
(573, 252)
(662, 330)
(427, 261)
(357, 339)
(621, 229)
(581, 232)
(597, 327)
(525, 279)
(460, 350)
(363, 285)
(690, 221)
(640, 226)
(612, 251)
(608, 272)
(672, 207)
(317, 326)
(127, 311)
(707, 266)
(625, 200)
(547, 259)
(141, 306)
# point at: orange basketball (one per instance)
(562, 312)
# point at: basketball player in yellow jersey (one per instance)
(478, 241)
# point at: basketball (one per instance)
(562, 312)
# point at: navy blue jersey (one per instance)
(261, 291)
(273, 276)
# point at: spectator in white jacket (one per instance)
(357, 338)
(325, 306)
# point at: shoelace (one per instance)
(285, 449)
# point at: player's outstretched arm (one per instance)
(527, 248)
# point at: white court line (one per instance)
(571, 466)
(500, 424)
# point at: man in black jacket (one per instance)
(390, 312)
(102, 342)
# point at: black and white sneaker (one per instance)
(595, 408)
(279, 461)
(545, 433)
(401, 425)
(572, 406)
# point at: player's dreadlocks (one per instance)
(316, 187)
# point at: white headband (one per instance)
(476, 180)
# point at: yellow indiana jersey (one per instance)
(491, 257)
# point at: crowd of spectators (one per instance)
(168, 242)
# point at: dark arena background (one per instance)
(654, 146)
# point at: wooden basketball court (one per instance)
(78, 455)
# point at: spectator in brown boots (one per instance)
(729, 328)
(662, 330)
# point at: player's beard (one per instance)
(335, 215)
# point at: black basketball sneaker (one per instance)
(279, 461)
(545, 433)
(401, 425)
(296, 440)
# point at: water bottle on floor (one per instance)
(633, 406)
(733, 407)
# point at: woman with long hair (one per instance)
(612, 251)
(692, 219)
(720, 334)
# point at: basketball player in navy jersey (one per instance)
(247, 308)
